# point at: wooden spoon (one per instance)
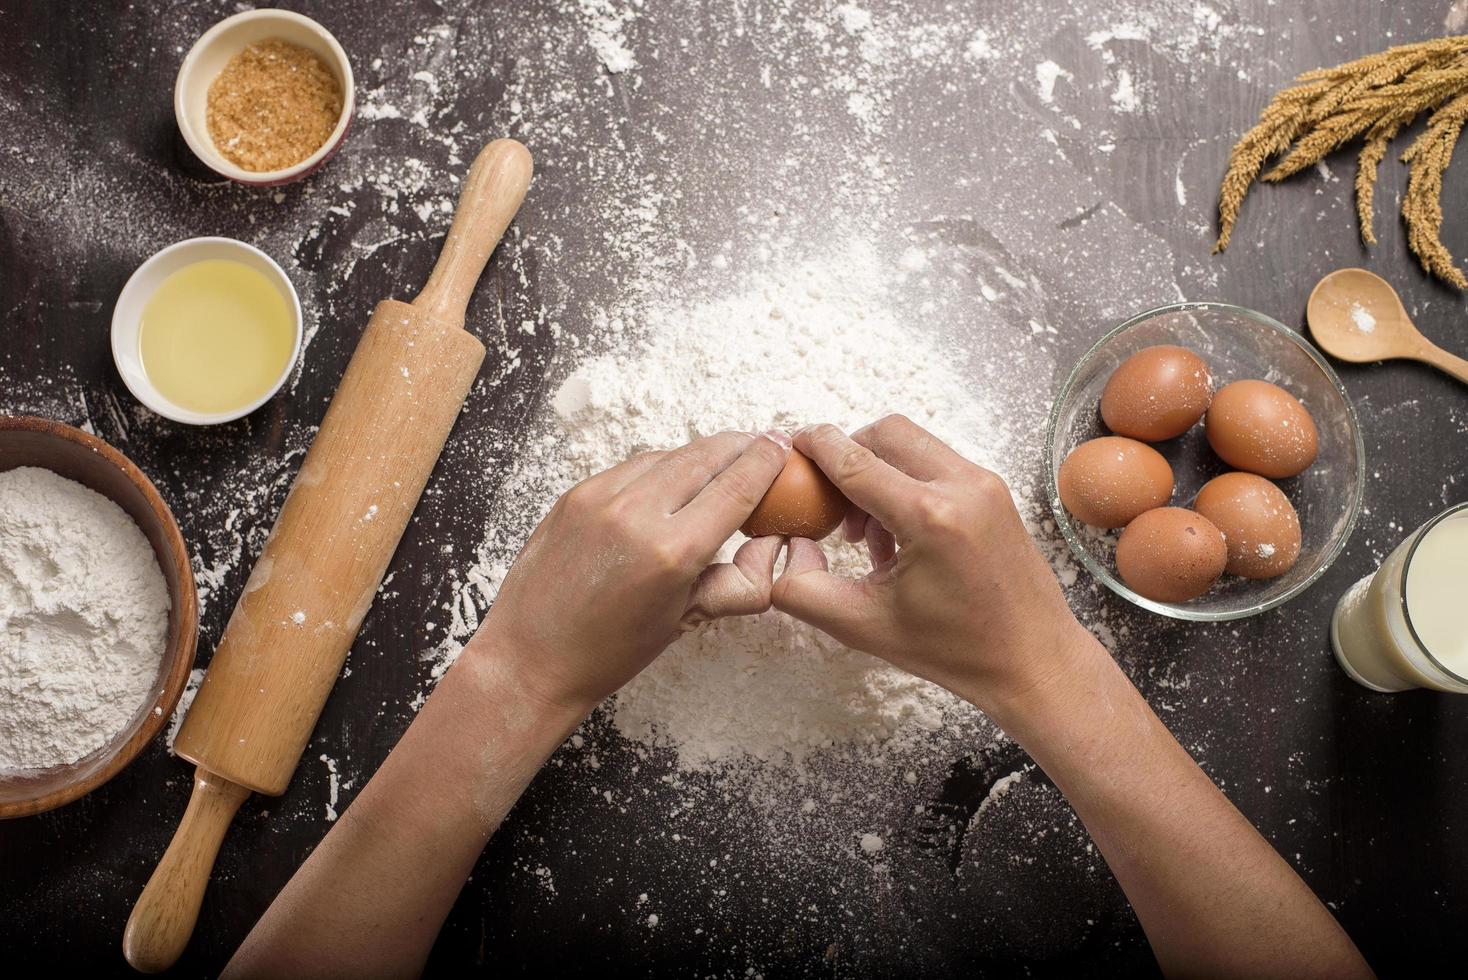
(1356, 316)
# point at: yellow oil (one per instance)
(215, 336)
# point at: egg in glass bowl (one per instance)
(1237, 344)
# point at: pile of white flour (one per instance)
(83, 619)
(794, 344)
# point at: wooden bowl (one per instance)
(69, 452)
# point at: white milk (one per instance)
(1407, 625)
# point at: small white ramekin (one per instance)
(127, 321)
(207, 58)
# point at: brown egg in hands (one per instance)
(801, 503)
(1107, 482)
(1261, 428)
(1170, 555)
(1157, 393)
(1259, 524)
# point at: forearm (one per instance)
(1213, 896)
(371, 899)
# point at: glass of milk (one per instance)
(1407, 625)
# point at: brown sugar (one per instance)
(273, 105)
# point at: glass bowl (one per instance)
(1237, 344)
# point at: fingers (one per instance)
(880, 543)
(867, 481)
(738, 588)
(806, 590)
(731, 496)
(909, 447)
(860, 526)
(624, 473)
(680, 474)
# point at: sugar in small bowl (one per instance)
(265, 97)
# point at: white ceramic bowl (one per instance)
(127, 321)
(207, 58)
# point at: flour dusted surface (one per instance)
(83, 619)
(814, 341)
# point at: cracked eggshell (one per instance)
(802, 503)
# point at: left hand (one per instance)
(621, 565)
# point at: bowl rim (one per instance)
(1100, 571)
(182, 641)
(150, 396)
(202, 144)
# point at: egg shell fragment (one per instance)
(801, 503)
(1259, 524)
(1107, 482)
(1261, 428)
(1170, 555)
(1158, 393)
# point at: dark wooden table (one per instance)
(1106, 203)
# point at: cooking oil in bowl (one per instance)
(215, 336)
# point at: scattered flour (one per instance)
(605, 24)
(1124, 96)
(1047, 73)
(333, 787)
(1457, 17)
(185, 701)
(83, 619)
(998, 791)
(799, 343)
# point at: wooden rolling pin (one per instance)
(325, 558)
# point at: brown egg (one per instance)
(801, 503)
(1261, 428)
(1157, 393)
(1258, 522)
(1108, 481)
(1170, 554)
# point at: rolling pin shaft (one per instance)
(314, 582)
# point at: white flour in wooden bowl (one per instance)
(83, 619)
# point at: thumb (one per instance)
(809, 592)
(737, 588)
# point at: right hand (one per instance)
(624, 562)
(958, 592)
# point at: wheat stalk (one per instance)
(1371, 98)
(1429, 155)
(1399, 103)
(1278, 125)
(1372, 153)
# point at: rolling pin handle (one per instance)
(163, 918)
(492, 193)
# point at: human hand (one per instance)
(621, 565)
(958, 592)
